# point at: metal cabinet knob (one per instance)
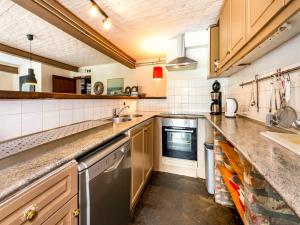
(31, 214)
(76, 212)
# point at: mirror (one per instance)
(61, 63)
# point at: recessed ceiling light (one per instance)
(155, 44)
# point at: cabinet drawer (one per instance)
(41, 199)
(65, 215)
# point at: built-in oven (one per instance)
(179, 138)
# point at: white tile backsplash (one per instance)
(32, 122)
(10, 107)
(19, 118)
(10, 126)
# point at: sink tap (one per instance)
(115, 114)
(296, 124)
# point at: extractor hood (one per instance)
(181, 62)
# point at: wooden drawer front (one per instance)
(65, 216)
(45, 197)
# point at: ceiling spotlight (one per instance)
(106, 23)
(93, 10)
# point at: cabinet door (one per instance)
(137, 164)
(237, 25)
(259, 13)
(148, 147)
(65, 215)
(224, 32)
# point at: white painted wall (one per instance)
(7, 81)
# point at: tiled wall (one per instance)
(285, 56)
(19, 118)
(185, 95)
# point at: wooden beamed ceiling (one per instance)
(9, 69)
(38, 58)
(59, 16)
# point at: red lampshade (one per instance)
(157, 72)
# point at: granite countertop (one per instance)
(279, 166)
(19, 170)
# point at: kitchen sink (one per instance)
(125, 118)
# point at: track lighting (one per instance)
(95, 10)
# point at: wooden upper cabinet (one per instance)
(224, 32)
(259, 13)
(237, 25)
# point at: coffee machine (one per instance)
(216, 97)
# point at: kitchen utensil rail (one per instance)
(279, 71)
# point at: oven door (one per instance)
(179, 142)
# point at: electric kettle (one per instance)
(231, 107)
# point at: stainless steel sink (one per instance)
(125, 118)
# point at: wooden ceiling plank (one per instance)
(59, 16)
(25, 54)
(9, 69)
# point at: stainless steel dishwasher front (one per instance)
(104, 184)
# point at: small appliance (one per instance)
(231, 107)
(216, 97)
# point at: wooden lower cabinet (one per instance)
(41, 200)
(66, 215)
(137, 164)
(141, 158)
(148, 150)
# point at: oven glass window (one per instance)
(178, 141)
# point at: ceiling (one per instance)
(133, 21)
(49, 41)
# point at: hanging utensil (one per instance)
(270, 116)
(257, 93)
(252, 100)
(286, 115)
(288, 88)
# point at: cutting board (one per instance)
(289, 141)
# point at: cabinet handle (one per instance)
(30, 214)
(228, 52)
(76, 212)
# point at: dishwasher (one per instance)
(104, 184)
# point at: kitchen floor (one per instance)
(179, 200)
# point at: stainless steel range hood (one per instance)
(181, 62)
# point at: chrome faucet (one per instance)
(115, 114)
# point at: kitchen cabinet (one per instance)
(42, 199)
(141, 158)
(224, 33)
(137, 163)
(213, 49)
(66, 215)
(148, 148)
(232, 28)
(244, 25)
(259, 13)
(237, 37)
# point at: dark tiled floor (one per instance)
(178, 200)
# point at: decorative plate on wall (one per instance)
(98, 88)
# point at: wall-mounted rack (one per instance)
(279, 71)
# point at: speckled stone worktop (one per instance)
(279, 166)
(20, 170)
